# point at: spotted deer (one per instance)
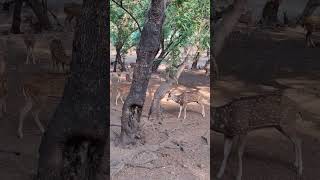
(122, 90)
(185, 98)
(58, 54)
(71, 10)
(36, 92)
(245, 114)
(311, 24)
(29, 41)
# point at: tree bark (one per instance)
(41, 13)
(16, 18)
(147, 50)
(310, 7)
(195, 60)
(73, 145)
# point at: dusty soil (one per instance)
(271, 57)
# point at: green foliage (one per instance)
(186, 24)
(124, 30)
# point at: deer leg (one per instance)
(32, 55)
(297, 148)
(242, 143)
(180, 111)
(121, 98)
(37, 121)
(27, 60)
(203, 113)
(117, 97)
(226, 153)
(185, 111)
(23, 112)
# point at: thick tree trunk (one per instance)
(41, 13)
(73, 145)
(310, 7)
(16, 18)
(270, 13)
(147, 50)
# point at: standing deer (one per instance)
(245, 114)
(186, 98)
(36, 92)
(58, 55)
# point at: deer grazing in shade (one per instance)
(185, 98)
(245, 114)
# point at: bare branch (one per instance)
(130, 14)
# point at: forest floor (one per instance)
(251, 63)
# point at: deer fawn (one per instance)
(311, 24)
(58, 55)
(246, 114)
(185, 98)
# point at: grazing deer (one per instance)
(29, 41)
(311, 24)
(36, 92)
(71, 10)
(185, 98)
(58, 55)
(245, 114)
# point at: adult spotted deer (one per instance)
(245, 114)
(36, 91)
(185, 98)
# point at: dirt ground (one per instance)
(259, 59)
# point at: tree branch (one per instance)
(135, 20)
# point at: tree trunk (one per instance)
(310, 7)
(147, 50)
(270, 13)
(41, 13)
(222, 31)
(16, 18)
(195, 60)
(115, 64)
(73, 145)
